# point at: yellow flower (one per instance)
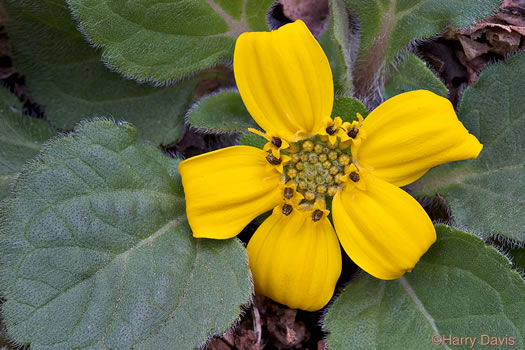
(310, 160)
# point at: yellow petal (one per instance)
(285, 80)
(382, 229)
(294, 260)
(411, 133)
(227, 189)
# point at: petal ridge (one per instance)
(226, 189)
(285, 80)
(382, 229)
(294, 260)
(411, 133)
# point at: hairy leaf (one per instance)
(459, 288)
(387, 26)
(97, 252)
(65, 75)
(488, 194)
(224, 111)
(21, 139)
(412, 74)
(347, 108)
(169, 39)
(253, 140)
(337, 45)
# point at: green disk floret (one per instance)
(316, 168)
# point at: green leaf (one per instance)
(21, 138)
(335, 42)
(518, 258)
(98, 254)
(221, 112)
(65, 75)
(347, 108)
(411, 73)
(387, 26)
(487, 194)
(253, 140)
(165, 40)
(459, 288)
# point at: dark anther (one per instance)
(331, 130)
(277, 142)
(353, 133)
(288, 192)
(354, 176)
(287, 209)
(317, 215)
(272, 159)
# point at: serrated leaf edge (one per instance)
(237, 133)
(39, 160)
(237, 28)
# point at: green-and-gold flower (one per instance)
(310, 160)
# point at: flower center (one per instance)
(316, 168)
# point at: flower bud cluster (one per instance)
(317, 168)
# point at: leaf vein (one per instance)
(123, 256)
(181, 298)
(412, 294)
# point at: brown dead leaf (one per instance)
(499, 34)
(503, 41)
(269, 325)
(513, 12)
(491, 39)
(312, 12)
(246, 340)
(284, 330)
(218, 344)
(472, 48)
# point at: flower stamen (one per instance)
(317, 215)
(273, 160)
(288, 192)
(353, 133)
(331, 130)
(275, 144)
(287, 209)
